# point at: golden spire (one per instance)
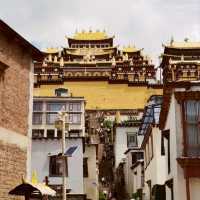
(34, 178)
(118, 117)
(61, 62)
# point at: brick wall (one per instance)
(14, 86)
(12, 168)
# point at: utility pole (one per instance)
(63, 156)
(63, 125)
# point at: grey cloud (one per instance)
(146, 23)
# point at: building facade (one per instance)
(93, 67)
(46, 142)
(179, 119)
(16, 82)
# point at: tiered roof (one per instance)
(91, 55)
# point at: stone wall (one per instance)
(15, 63)
(12, 169)
(14, 86)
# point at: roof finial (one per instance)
(172, 40)
(186, 39)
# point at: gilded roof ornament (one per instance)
(171, 41)
(90, 35)
(50, 58)
(55, 59)
(61, 62)
(130, 49)
(113, 61)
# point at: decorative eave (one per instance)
(93, 54)
(188, 95)
(180, 96)
(190, 166)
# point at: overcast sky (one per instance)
(145, 23)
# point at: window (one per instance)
(50, 133)
(37, 133)
(192, 121)
(56, 166)
(136, 156)
(150, 147)
(75, 107)
(37, 118)
(37, 106)
(85, 167)
(166, 134)
(55, 106)
(75, 118)
(61, 92)
(51, 118)
(59, 133)
(131, 139)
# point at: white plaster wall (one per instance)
(120, 145)
(91, 182)
(194, 188)
(173, 123)
(137, 183)
(156, 170)
(40, 162)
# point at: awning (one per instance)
(32, 190)
(68, 152)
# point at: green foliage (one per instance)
(135, 195)
(101, 196)
(108, 124)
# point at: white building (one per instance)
(46, 146)
(133, 170)
(91, 185)
(154, 159)
(125, 137)
(179, 120)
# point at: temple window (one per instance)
(85, 167)
(60, 92)
(37, 133)
(37, 118)
(75, 107)
(192, 127)
(37, 106)
(55, 106)
(74, 118)
(136, 156)
(50, 133)
(131, 139)
(51, 118)
(56, 166)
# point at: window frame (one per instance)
(40, 118)
(128, 142)
(51, 166)
(185, 131)
(85, 168)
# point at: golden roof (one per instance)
(130, 49)
(51, 50)
(184, 45)
(98, 35)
